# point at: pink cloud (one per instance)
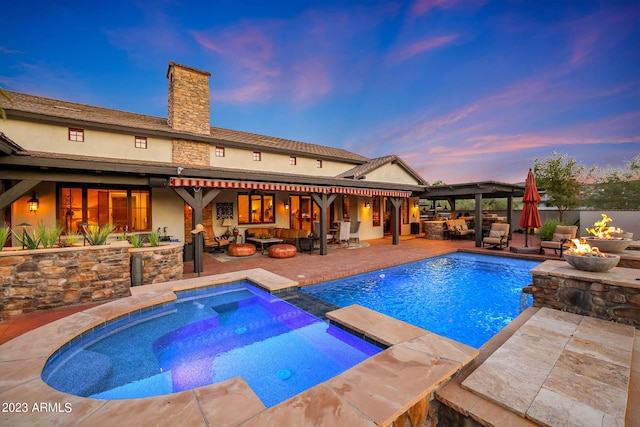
(407, 52)
(421, 7)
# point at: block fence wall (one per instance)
(33, 280)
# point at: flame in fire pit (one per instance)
(582, 248)
(602, 231)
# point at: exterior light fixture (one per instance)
(286, 205)
(367, 205)
(34, 203)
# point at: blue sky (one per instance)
(463, 91)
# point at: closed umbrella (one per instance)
(530, 217)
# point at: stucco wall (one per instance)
(55, 139)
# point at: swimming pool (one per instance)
(462, 296)
(205, 337)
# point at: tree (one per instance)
(616, 188)
(561, 176)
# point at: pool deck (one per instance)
(411, 368)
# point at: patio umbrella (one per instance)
(530, 217)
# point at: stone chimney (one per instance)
(189, 101)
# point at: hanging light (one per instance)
(34, 203)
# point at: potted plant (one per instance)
(235, 231)
(604, 237)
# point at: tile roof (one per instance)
(55, 110)
(361, 170)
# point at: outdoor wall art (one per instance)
(224, 210)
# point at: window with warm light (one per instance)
(126, 208)
(319, 164)
(293, 160)
(255, 208)
(257, 156)
(219, 151)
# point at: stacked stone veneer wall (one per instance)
(33, 280)
(587, 297)
(189, 99)
(191, 153)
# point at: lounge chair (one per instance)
(458, 228)
(498, 236)
(211, 242)
(561, 240)
(355, 234)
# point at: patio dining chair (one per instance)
(355, 233)
(344, 232)
(211, 242)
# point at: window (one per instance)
(257, 156)
(255, 208)
(141, 142)
(219, 151)
(346, 207)
(76, 135)
(405, 211)
(292, 160)
(319, 164)
(126, 208)
(375, 211)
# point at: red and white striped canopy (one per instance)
(294, 188)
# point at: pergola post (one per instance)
(323, 201)
(395, 219)
(478, 214)
(197, 201)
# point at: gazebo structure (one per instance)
(476, 191)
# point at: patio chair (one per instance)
(344, 232)
(498, 236)
(355, 234)
(211, 242)
(561, 240)
(316, 232)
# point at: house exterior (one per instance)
(91, 165)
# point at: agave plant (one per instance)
(70, 240)
(5, 231)
(136, 241)
(48, 237)
(154, 238)
(29, 241)
(97, 235)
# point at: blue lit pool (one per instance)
(206, 337)
(465, 297)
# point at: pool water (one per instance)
(465, 297)
(207, 337)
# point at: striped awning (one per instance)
(370, 192)
(247, 185)
(294, 188)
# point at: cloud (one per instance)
(420, 46)
(422, 7)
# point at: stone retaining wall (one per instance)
(614, 295)
(32, 280)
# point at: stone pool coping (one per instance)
(374, 392)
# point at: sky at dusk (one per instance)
(463, 91)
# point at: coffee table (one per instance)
(263, 242)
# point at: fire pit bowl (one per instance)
(609, 245)
(602, 263)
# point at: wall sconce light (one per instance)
(286, 205)
(416, 205)
(34, 203)
(367, 205)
